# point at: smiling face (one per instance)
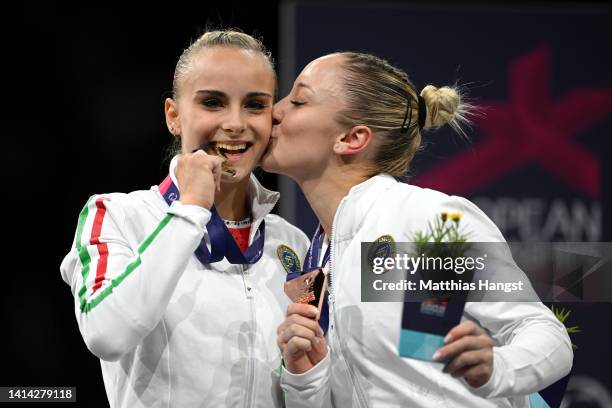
(305, 129)
(225, 101)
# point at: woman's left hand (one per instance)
(469, 351)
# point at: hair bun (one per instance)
(442, 105)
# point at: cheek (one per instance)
(304, 135)
(197, 128)
(262, 125)
(306, 132)
(198, 122)
(295, 128)
(205, 120)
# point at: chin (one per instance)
(269, 164)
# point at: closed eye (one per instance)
(297, 103)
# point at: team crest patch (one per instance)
(288, 258)
(382, 247)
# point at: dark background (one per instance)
(83, 102)
(84, 115)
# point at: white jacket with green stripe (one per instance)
(170, 331)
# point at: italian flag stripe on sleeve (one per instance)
(102, 248)
(82, 250)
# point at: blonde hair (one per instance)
(215, 38)
(377, 95)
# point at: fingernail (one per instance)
(436, 355)
(448, 338)
(320, 331)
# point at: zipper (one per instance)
(331, 249)
(250, 371)
(249, 293)
(356, 385)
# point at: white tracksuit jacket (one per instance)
(363, 367)
(170, 331)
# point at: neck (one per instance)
(324, 193)
(232, 201)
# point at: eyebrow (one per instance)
(303, 85)
(215, 92)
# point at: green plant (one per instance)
(562, 315)
(443, 229)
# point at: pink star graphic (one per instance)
(529, 128)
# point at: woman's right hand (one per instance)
(301, 339)
(198, 175)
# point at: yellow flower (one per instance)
(455, 216)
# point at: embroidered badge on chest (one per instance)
(382, 247)
(288, 258)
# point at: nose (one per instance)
(277, 112)
(234, 122)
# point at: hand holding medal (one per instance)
(203, 172)
(198, 175)
(301, 339)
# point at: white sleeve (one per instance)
(310, 389)
(121, 292)
(534, 349)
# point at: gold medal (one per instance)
(226, 169)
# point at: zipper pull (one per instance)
(248, 290)
(248, 287)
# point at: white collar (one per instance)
(356, 205)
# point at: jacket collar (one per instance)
(262, 200)
(356, 205)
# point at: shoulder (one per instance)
(408, 201)
(476, 223)
(418, 206)
(282, 227)
(412, 192)
(121, 206)
(105, 204)
(284, 230)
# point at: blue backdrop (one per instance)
(537, 162)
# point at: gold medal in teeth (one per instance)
(225, 167)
